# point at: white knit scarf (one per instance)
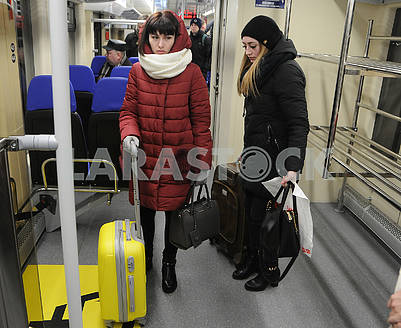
(167, 65)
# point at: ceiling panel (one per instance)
(145, 6)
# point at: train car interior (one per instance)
(64, 172)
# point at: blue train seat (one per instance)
(120, 71)
(83, 82)
(104, 130)
(133, 60)
(39, 120)
(97, 63)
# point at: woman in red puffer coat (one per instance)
(166, 113)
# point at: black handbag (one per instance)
(279, 234)
(196, 221)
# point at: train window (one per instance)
(71, 16)
(387, 131)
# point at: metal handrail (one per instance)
(365, 167)
(371, 159)
(114, 191)
(339, 85)
(380, 37)
(360, 177)
(118, 21)
(362, 78)
(328, 58)
(375, 152)
(287, 19)
(386, 196)
(379, 112)
(373, 143)
(375, 65)
(383, 68)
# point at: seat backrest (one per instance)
(133, 60)
(83, 81)
(109, 94)
(121, 71)
(104, 129)
(40, 94)
(39, 120)
(97, 63)
(82, 78)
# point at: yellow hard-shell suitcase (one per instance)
(121, 267)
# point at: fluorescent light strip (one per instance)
(150, 4)
(209, 12)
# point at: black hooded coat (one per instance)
(277, 118)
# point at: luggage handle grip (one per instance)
(134, 229)
(128, 229)
(134, 167)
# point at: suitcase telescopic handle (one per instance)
(134, 163)
(128, 229)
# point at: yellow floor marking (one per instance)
(53, 293)
(91, 315)
(53, 289)
(30, 278)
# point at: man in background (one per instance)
(201, 46)
(115, 56)
(132, 38)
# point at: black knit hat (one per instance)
(196, 21)
(264, 29)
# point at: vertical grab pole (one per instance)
(340, 203)
(287, 18)
(62, 124)
(339, 85)
(182, 9)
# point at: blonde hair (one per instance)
(247, 86)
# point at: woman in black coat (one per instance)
(276, 122)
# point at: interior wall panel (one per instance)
(11, 111)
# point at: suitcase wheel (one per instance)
(141, 321)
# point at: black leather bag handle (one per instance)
(200, 191)
(294, 205)
(285, 195)
(191, 196)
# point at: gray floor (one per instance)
(346, 283)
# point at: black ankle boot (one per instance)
(169, 278)
(261, 281)
(247, 269)
(149, 264)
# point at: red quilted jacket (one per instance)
(171, 114)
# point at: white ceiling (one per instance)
(116, 7)
(142, 6)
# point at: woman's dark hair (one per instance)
(163, 22)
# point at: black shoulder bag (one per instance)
(279, 234)
(196, 221)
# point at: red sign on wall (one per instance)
(10, 10)
(188, 14)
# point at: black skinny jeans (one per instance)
(148, 226)
(256, 198)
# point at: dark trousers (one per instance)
(256, 198)
(148, 227)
